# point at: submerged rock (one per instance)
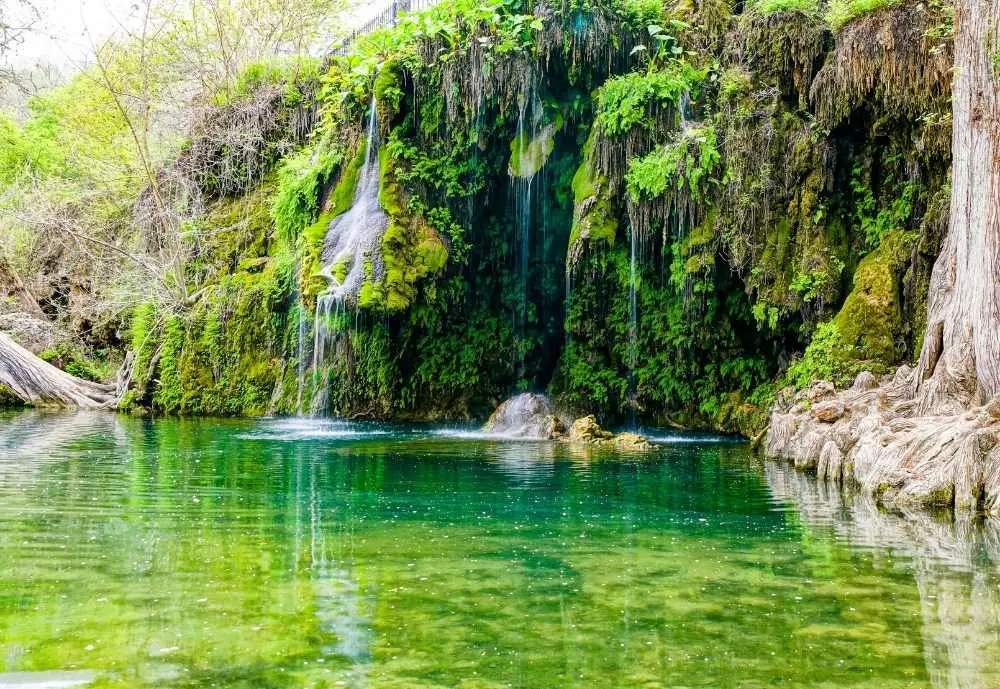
(527, 415)
(531, 415)
(587, 430)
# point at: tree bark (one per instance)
(40, 383)
(960, 361)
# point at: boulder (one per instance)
(587, 430)
(527, 415)
(631, 442)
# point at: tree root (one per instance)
(907, 449)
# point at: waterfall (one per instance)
(350, 256)
(353, 238)
(523, 192)
(633, 324)
(301, 356)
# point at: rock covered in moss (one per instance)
(586, 430)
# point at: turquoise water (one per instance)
(205, 553)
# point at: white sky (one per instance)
(61, 38)
(62, 35)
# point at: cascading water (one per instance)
(353, 238)
(633, 324)
(301, 355)
(523, 171)
(350, 256)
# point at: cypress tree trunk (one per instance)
(932, 435)
(960, 361)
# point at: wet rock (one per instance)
(631, 442)
(587, 430)
(527, 416)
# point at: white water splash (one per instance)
(353, 238)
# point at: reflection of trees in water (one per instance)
(342, 610)
(956, 565)
(32, 439)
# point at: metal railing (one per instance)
(386, 17)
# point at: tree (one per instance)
(960, 361)
(17, 18)
(932, 435)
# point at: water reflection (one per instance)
(190, 554)
(955, 562)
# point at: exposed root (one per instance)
(928, 449)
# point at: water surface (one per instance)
(205, 553)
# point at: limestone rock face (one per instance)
(527, 416)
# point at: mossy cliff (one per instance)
(768, 180)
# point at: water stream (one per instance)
(525, 199)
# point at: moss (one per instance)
(867, 333)
(529, 155)
(389, 90)
(842, 12)
(347, 186)
(594, 218)
(412, 250)
(870, 320)
(301, 180)
(807, 7)
(8, 399)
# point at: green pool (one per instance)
(206, 553)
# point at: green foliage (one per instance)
(626, 102)
(663, 47)
(75, 363)
(822, 360)
(688, 165)
(842, 12)
(806, 7)
(292, 74)
(873, 221)
(301, 180)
